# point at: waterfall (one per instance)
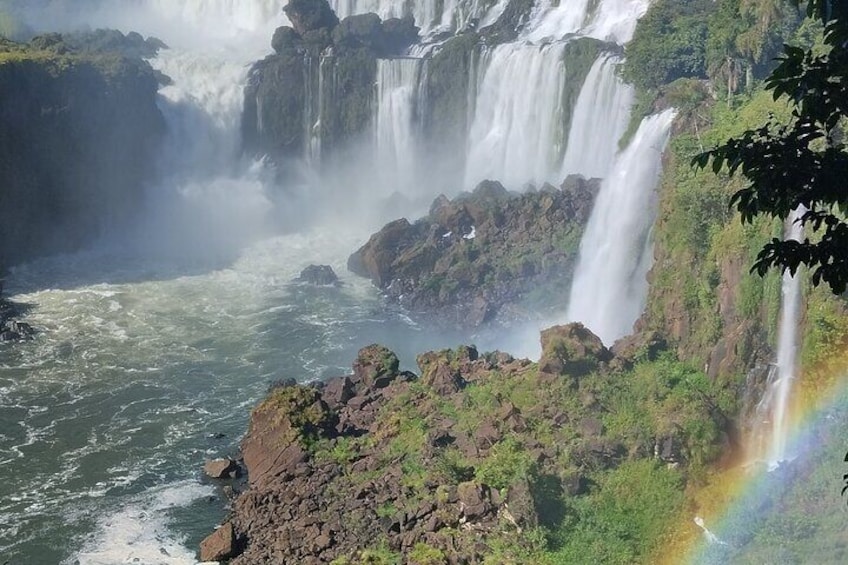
(432, 16)
(600, 118)
(608, 20)
(610, 285)
(397, 99)
(515, 134)
(787, 346)
(711, 537)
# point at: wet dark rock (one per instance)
(399, 34)
(8, 336)
(310, 15)
(320, 275)
(486, 256)
(284, 38)
(22, 328)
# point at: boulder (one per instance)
(571, 350)
(284, 38)
(219, 545)
(376, 366)
(438, 373)
(360, 30)
(338, 391)
(319, 275)
(221, 469)
(521, 505)
(399, 34)
(375, 259)
(280, 428)
(473, 499)
(310, 15)
(22, 328)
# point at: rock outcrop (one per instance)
(450, 464)
(318, 275)
(285, 107)
(489, 255)
(80, 135)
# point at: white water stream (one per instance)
(600, 118)
(610, 284)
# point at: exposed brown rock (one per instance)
(221, 468)
(571, 349)
(219, 545)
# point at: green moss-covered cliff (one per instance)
(79, 134)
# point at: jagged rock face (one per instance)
(318, 59)
(459, 460)
(302, 506)
(78, 144)
(476, 258)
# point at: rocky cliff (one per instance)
(79, 134)
(315, 92)
(465, 461)
(490, 255)
(314, 98)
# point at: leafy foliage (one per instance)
(668, 43)
(800, 164)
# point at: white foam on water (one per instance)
(139, 533)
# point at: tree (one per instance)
(802, 164)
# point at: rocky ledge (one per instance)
(460, 463)
(484, 256)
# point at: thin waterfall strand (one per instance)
(599, 120)
(787, 345)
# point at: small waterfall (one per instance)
(711, 537)
(395, 123)
(779, 389)
(610, 284)
(516, 135)
(600, 118)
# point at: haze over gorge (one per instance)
(435, 280)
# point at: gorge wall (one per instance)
(437, 107)
(79, 139)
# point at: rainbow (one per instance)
(755, 515)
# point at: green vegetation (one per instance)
(799, 163)
(622, 519)
(631, 493)
(669, 43)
